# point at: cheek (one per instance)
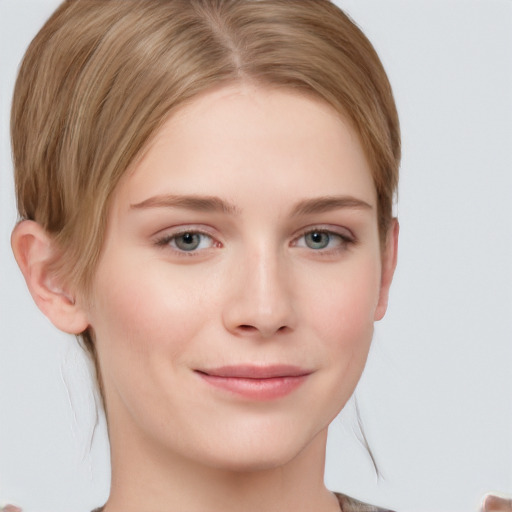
(345, 306)
(141, 312)
(342, 316)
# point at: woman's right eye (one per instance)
(187, 241)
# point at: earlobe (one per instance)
(389, 259)
(34, 251)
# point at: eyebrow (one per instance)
(329, 203)
(189, 202)
(215, 204)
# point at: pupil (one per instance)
(317, 240)
(188, 241)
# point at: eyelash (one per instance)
(165, 241)
(345, 241)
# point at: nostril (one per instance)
(247, 328)
(250, 329)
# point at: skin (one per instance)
(283, 274)
(493, 503)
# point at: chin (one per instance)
(248, 461)
(263, 451)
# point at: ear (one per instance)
(34, 251)
(389, 258)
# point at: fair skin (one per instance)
(233, 304)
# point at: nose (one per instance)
(260, 302)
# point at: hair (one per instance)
(102, 76)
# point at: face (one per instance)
(241, 275)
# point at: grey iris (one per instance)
(188, 241)
(317, 240)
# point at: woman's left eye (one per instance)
(187, 241)
(319, 239)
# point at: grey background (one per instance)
(436, 396)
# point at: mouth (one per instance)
(259, 383)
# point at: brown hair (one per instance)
(102, 76)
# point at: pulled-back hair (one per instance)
(102, 76)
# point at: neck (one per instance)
(145, 479)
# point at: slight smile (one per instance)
(258, 383)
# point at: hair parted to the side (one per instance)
(102, 76)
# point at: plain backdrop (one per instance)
(436, 396)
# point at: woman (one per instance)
(206, 193)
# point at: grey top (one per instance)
(348, 504)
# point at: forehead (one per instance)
(250, 135)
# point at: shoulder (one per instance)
(348, 504)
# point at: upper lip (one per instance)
(251, 371)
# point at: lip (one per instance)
(253, 382)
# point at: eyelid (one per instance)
(163, 240)
(345, 240)
(341, 231)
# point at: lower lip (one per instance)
(257, 389)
